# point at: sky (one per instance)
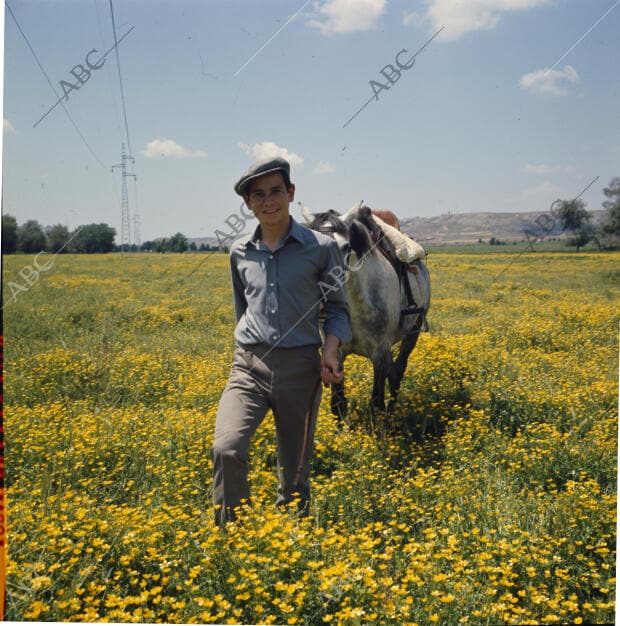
(510, 105)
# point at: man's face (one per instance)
(269, 198)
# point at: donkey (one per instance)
(383, 310)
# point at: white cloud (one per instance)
(323, 167)
(542, 168)
(549, 82)
(339, 17)
(169, 148)
(542, 194)
(460, 18)
(413, 18)
(7, 127)
(539, 197)
(268, 150)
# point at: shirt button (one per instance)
(274, 336)
(271, 284)
(271, 256)
(273, 310)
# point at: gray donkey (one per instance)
(388, 300)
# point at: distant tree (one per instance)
(496, 242)
(31, 237)
(576, 219)
(613, 193)
(9, 234)
(611, 226)
(579, 239)
(57, 238)
(147, 246)
(192, 246)
(93, 238)
(177, 243)
(160, 245)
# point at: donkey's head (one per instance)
(354, 231)
(329, 223)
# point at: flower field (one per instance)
(487, 497)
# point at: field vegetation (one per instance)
(512, 247)
(488, 496)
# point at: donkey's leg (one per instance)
(397, 370)
(338, 400)
(382, 362)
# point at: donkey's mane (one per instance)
(332, 218)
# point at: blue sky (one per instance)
(514, 104)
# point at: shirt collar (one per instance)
(296, 231)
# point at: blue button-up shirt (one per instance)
(277, 293)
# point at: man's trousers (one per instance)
(287, 381)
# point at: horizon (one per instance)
(403, 219)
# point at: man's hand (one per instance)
(331, 368)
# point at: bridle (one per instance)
(330, 231)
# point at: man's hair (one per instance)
(287, 179)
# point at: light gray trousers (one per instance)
(287, 381)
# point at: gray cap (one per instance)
(260, 168)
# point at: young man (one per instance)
(276, 273)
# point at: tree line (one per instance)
(577, 220)
(179, 243)
(30, 238)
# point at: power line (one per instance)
(120, 79)
(125, 224)
(66, 96)
(109, 76)
(116, 115)
(36, 58)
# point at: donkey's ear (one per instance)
(358, 239)
(305, 211)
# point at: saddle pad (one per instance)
(407, 250)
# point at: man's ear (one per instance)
(291, 193)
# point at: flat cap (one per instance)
(260, 168)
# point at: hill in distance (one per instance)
(470, 227)
(455, 228)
